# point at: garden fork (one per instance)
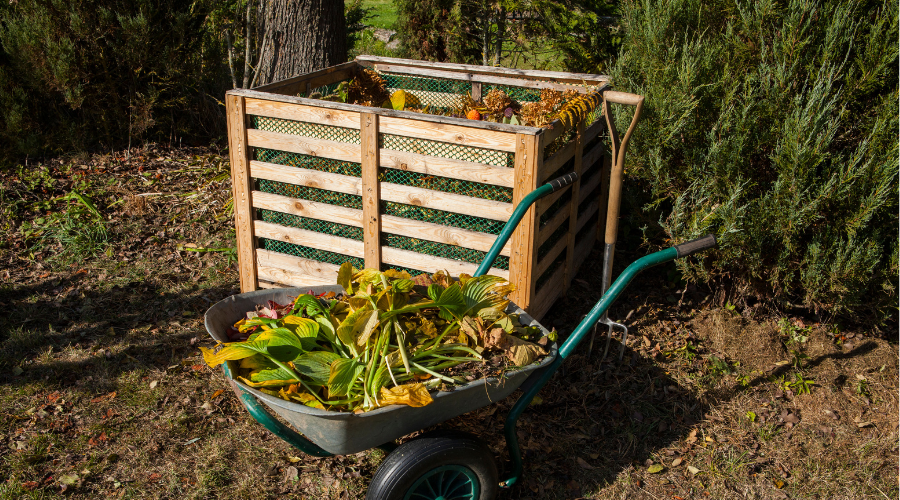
(618, 149)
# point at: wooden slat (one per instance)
(448, 132)
(371, 190)
(476, 207)
(292, 278)
(550, 199)
(552, 225)
(312, 239)
(548, 294)
(300, 112)
(441, 234)
(431, 264)
(559, 76)
(584, 217)
(314, 79)
(241, 187)
(573, 207)
(550, 257)
(594, 130)
(268, 284)
(523, 252)
(304, 145)
(481, 78)
(298, 265)
(447, 235)
(552, 164)
(582, 250)
(591, 157)
(552, 133)
(446, 167)
(589, 186)
(409, 115)
(476, 91)
(309, 209)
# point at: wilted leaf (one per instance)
(68, 479)
(346, 331)
(693, 470)
(655, 469)
(364, 327)
(345, 277)
(520, 352)
(408, 394)
(233, 351)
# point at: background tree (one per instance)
(299, 36)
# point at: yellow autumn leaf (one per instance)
(267, 383)
(228, 353)
(415, 395)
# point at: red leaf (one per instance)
(53, 396)
(30, 485)
(100, 399)
(154, 477)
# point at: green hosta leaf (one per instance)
(305, 329)
(451, 302)
(345, 277)
(434, 291)
(343, 373)
(277, 373)
(316, 365)
(327, 328)
(485, 295)
(281, 344)
(309, 305)
(402, 285)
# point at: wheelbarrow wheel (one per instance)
(442, 465)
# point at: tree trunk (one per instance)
(299, 36)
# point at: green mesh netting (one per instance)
(518, 93)
(440, 93)
(412, 272)
(447, 150)
(319, 226)
(310, 253)
(454, 252)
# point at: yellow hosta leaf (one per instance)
(267, 383)
(228, 353)
(408, 394)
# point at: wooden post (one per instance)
(573, 207)
(476, 91)
(523, 253)
(241, 186)
(370, 189)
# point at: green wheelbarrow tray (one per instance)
(343, 433)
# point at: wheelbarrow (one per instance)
(440, 465)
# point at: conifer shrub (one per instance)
(774, 125)
(439, 30)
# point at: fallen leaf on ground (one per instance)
(104, 397)
(676, 462)
(583, 464)
(655, 468)
(693, 470)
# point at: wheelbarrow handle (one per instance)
(533, 386)
(518, 213)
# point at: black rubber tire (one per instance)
(413, 459)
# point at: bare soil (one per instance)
(104, 392)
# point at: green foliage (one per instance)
(439, 30)
(74, 74)
(772, 124)
(583, 31)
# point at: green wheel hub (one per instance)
(448, 482)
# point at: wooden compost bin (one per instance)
(318, 183)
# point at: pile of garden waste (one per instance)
(387, 340)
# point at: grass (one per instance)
(384, 14)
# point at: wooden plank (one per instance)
(476, 91)
(594, 130)
(288, 278)
(321, 148)
(586, 215)
(552, 133)
(550, 257)
(548, 294)
(552, 225)
(241, 187)
(312, 239)
(303, 267)
(552, 164)
(589, 186)
(268, 284)
(591, 157)
(573, 207)
(309, 209)
(544, 203)
(409, 115)
(300, 112)
(559, 76)
(523, 251)
(476, 207)
(582, 250)
(448, 132)
(481, 78)
(447, 167)
(447, 235)
(371, 190)
(431, 264)
(314, 79)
